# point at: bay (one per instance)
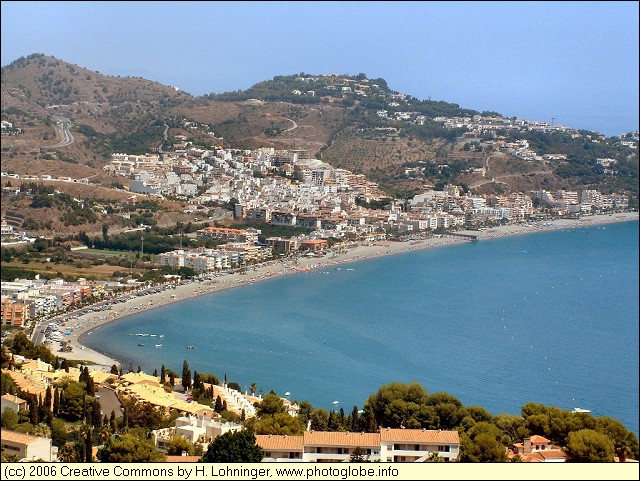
(549, 317)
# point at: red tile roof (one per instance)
(272, 442)
(419, 436)
(182, 459)
(324, 438)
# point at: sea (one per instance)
(549, 317)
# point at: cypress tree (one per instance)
(163, 375)
(97, 414)
(355, 424)
(89, 446)
(112, 421)
(48, 398)
(33, 410)
(56, 402)
(172, 379)
(155, 373)
(125, 420)
(218, 406)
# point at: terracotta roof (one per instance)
(539, 439)
(280, 443)
(17, 437)
(541, 456)
(13, 398)
(182, 459)
(325, 438)
(419, 436)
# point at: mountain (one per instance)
(353, 122)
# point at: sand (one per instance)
(84, 325)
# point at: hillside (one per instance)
(71, 120)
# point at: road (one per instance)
(63, 124)
(109, 401)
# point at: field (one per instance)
(77, 269)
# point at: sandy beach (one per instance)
(84, 325)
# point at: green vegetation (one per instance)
(129, 449)
(234, 447)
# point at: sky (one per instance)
(573, 62)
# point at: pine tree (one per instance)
(114, 369)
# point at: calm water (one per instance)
(549, 318)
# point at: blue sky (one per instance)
(575, 61)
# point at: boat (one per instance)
(189, 347)
(336, 402)
(140, 345)
(158, 345)
(580, 410)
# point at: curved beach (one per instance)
(84, 325)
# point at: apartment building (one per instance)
(387, 445)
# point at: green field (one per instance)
(110, 253)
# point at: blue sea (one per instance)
(550, 317)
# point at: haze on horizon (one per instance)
(575, 62)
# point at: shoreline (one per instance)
(84, 325)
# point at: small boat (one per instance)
(336, 402)
(140, 345)
(580, 410)
(158, 345)
(189, 347)
(287, 393)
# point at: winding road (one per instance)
(63, 124)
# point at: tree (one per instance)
(178, 444)
(271, 404)
(589, 446)
(357, 455)
(319, 419)
(234, 447)
(112, 422)
(9, 418)
(129, 449)
(482, 444)
(398, 405)
(163, 375)
(279, 423)
(186, 375)
(218, 406)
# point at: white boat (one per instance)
(580, 410)
(158, 345)
(336, 402)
